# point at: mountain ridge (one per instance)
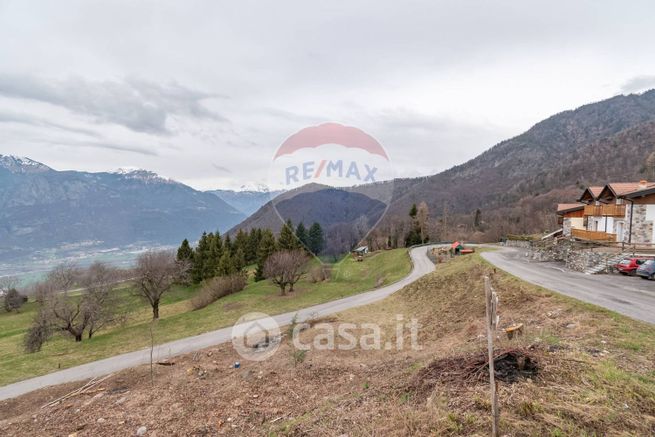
(517, 182)
(48, 209)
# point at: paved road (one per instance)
(421, 266)
(631, 296)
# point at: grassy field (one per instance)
(178, 321)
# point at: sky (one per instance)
(205, 91)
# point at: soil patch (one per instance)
(510, 366)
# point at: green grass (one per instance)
(177, 320)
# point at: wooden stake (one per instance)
(492, 321)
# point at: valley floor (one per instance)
(591, 372)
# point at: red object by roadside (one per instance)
(629, 266)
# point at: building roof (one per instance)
(568, 207)
(646, 190)
(621, 189)
(591, 193)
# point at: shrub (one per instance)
(320, 273)
(14, 300)
(38, 334)
(217, 288)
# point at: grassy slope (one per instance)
(177, 321)
(597, 376)
(597, 373)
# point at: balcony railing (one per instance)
(611, 210)
(583, 234)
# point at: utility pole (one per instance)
(492, 322)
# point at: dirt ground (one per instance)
(576, 370)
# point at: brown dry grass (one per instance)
(596, 376)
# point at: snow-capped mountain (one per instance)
(42, 208)
(17, 164)
(247, 201)
(143, 175)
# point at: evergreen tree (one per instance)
(477, 221)
(301, 235)
(239, 260)
(212, 255)
(228, 243)
(287, 239)
(199, 257)
(240, 242)
(266, 248)
(185, 253)
(315, 239)
(226, 264)
(254, 238)
(413, 211)
(413, 237)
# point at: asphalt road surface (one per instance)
(421, 266)
(630, 296)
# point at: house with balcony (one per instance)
(622, 212)
(570, 216)
(640, 214)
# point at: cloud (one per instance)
(137, 104)
(105, 145)
(221, 168)
(638, 84)
(14, 117)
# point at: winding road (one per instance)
(421, 265)
(630, 296)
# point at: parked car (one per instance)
(629, 266)
(647, 269)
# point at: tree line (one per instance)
(218, 256)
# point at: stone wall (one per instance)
(575, 258)
(642, 228)
(556, 252)
(525, 244)
(566, 226)
(582, 260)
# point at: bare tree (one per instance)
(64, 276)
(155, 273)
(284, 268)
(61, 311)
(101, 302)
(650, 166)
(67, 313)
(422, 217)
(58, 308)
(7, 283)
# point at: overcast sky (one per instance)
(205, 91)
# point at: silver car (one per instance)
(647, 270)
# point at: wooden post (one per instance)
(492, 321)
